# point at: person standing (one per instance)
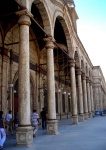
(8, 120)
(16, 120)
(43, 115)
(35, 122)
(2, 130)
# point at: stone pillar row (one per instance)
(24, 133)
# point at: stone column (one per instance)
(24, 133)
(92, 102)
(0, 81)
(11, 87)
(80, 96)
(52, 123)
(89, 98)
(85, 95)
(60, 103)
(73, 92)
(4, 83)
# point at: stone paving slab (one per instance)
(87, 135)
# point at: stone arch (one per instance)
(32, 85)
(16, 78)
(44, 11)
(60, 16)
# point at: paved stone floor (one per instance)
(87, 135)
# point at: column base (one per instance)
(86, 115)
(81, 118)
(90, 114)
(74, 119)
(52, 127)
(24, 136)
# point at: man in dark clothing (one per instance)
(43, 115)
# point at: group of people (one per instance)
(6, 126)
(35, 120)
(7, 121)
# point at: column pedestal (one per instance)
(81, 118)
(90, 114)
(24, 136)
(74, 120)
(86, 115)
(52, 127)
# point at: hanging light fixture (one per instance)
(68, 93)
(11, 85)
(15, 91)
(59, 90)
(64, 92)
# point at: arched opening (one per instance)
(62, 69)
(37, 30)
(59, 34)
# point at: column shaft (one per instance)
(24, 79)
(85, 96)
(4, 84)
(24, 133)
(92, 103)
(73, 92)
(80, 97)
(52, 127)
(89, 98)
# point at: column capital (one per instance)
(24, 17)
(91, 83)
(49, 42)
(79, 71)
(83, 76)
(87, 80)
(72, 63)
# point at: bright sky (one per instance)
(91, 27)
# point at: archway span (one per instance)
(16, 78)
(42, 14)
(33, 103)
(61, 26)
